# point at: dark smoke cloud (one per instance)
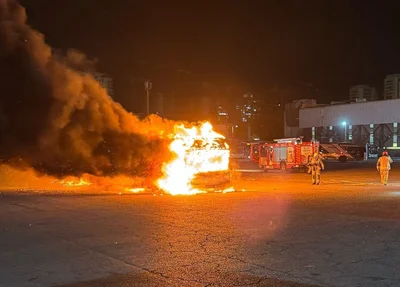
(56, 118)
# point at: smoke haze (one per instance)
(55, 118)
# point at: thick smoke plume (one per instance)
(57, 119)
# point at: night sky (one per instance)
(234, 46)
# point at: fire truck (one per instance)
(253, 149)
(289, 153)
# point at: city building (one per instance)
(222, 115)
(249, 109)
(206, 108)
(247, 114)
(106, 82)
(223, 123)
(391, 88)
(291, 116)
(362, 93)
(359, 123)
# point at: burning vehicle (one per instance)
(69, 128)
(215, 175)
(201, 160)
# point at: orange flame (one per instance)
(135, 190)
(196, 150)
(73, 183)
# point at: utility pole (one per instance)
(147, 86)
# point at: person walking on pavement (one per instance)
(316, 166)
(383, 166)
(309, 158)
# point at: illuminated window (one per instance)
(330, 128)
(395, 125)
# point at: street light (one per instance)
(147, 86)
(345, 131)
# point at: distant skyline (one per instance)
(238, 45)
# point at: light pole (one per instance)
(147, 86)
(345, 131)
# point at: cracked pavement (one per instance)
(280, 232)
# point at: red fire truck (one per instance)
(283, 154)
(254, 150)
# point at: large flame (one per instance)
(196, 150)
(75, 182)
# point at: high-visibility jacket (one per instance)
(317, 164)
(384, 163)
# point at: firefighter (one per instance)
(316, 166)
(309, 158)
(383, 166)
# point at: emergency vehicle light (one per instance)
(288, 140)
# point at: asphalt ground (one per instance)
(276, 230)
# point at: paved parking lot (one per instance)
(277, 230)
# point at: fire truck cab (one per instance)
(283, 154)
(254, 150)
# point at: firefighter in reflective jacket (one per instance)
(316, 166)
(383, 166)
(309, 158)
